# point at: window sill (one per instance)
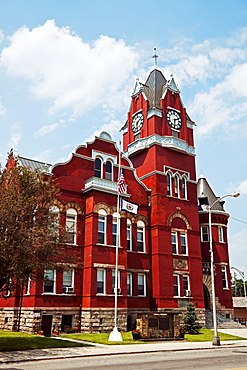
(107, 245)
(137, 252)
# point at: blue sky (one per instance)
(67, 70)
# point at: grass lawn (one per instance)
(206, 335)
(12, 341)
(102, 338)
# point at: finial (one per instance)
(155, 57)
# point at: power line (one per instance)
(243, 222)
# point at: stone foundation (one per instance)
(98, 320)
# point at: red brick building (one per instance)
(163, 256)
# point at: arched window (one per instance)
(71, 220)
(184, 188)
(140, 236)
(102, 226)
(176, 186)
(53, 227)
(97, 167)
(108, 170)
(169, 183)
(115, 227)
(129, 235)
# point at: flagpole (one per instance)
(115, 335)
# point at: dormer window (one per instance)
(97, 167)
(108, 170)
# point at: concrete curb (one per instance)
(25, 356)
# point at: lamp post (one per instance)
(216, 339)
(241, 273)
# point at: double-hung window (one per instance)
(183, 242)
(204, 234)
(129, 235)
(224, 277)
(141, 284)
(140, 236)
(174, 242)
(49, 281)
(113, 281)
(54, 223)
(101, 278)
(68, 281)
(184, 188)
(98, 167)
(102, 217)
(115, 228)
(169, 184)
(176, 286)
(221, 234)
(71, 219)
(176, 186)
(108, 170)
(129, 283)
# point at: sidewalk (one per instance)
(103, 350)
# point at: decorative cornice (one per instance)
(165, 141)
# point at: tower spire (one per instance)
(155, 56)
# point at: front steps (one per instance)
(222, 322)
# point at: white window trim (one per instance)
(178, 280)
(177, 178)
(54, 283)
(101, 167)
(142, 229)
(170, 183)
(186, 243)
(145, 285)
(129, 224)
(72, 279)
(130, 275)
(71, 212)
(102, 213)
(110, 173)
(204, 241)
(118, 280)
(185, 187)
(188, 279)
(223, 268)
(104, 281)
(176, 236)
(221, 234)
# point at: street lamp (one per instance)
(216, 339)
(241, 273)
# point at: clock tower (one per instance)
(158, 138)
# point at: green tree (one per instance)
(190, 320)
(238, 287)
(28, 233)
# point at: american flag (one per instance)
(121, 186)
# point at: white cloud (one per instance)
(2, 108)
(46, 129)
(1, 36)
(15, 136)
(242, 187)
(71, 73)
(44, 156)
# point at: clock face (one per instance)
(137, 122)
(174, 119)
